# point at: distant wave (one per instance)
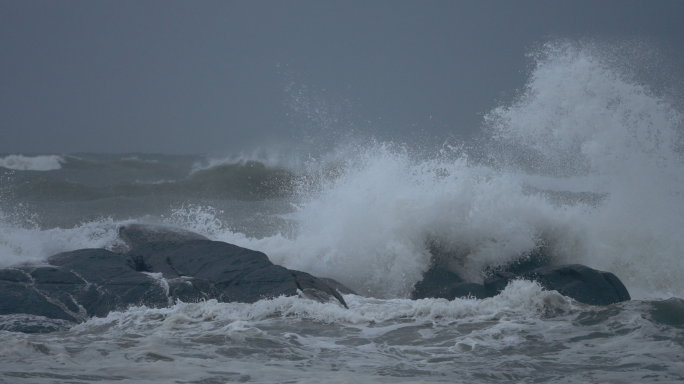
(249, 181)
(137, 159)
(37, 163)
(270, 159)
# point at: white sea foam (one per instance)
(520, 298)
(35, 163)
(525, 333)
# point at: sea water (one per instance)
(584, 164)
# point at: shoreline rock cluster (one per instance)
(160, 265)
(579, 282)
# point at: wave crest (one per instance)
(35, 163)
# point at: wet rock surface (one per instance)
(584, 284)
(579, 282)
(228, 272)
(444, 284)
(77, 285)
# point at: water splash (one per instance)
(585, 163)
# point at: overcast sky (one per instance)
(228, 76)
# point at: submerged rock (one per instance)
(81, 284)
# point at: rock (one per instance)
(235, 274)
(441, 283)
(81, 284)
(581, 283)
(20, 295)
(576, 281)
(107, 282)
(135, 235)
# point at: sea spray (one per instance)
(371, 226)
(27, 244)
(581, 117)
(584, 164)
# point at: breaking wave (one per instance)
(585, 164)
(35, 163)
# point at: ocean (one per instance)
(586, 163)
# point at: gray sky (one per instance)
(220, 76)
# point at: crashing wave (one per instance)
(28, 163)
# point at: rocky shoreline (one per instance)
(159, 266)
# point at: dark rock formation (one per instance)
(579, 282)
(107, 282)
(576, 281)
(20, 294)
(441, 283)
(164, 265)
(78, 285)
(93, 282)
(232, 273)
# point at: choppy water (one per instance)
(524, 335)
(586, 163)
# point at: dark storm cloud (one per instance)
(198, 77)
